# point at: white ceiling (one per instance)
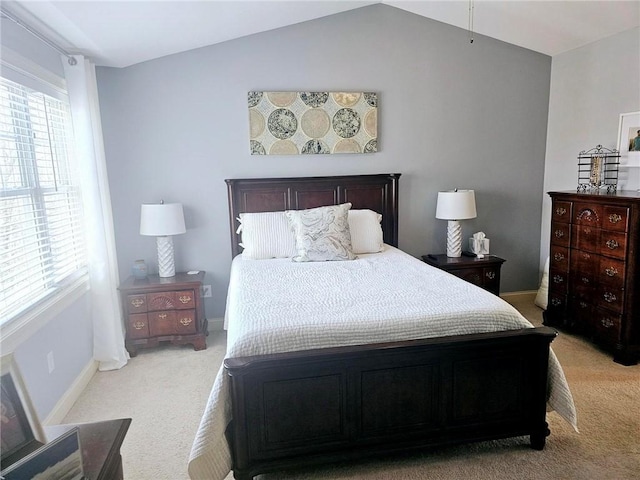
(123, 33)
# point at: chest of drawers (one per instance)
(593, 269)
(164, 309)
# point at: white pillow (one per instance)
(366, 231)
(322, 234)
(267, 235)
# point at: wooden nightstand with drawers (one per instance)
(483, 272)
(164, 310)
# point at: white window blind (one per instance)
(42, 246)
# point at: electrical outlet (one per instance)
(206, 291)
(50, 362)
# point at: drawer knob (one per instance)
(586, 256)
(585, 280)
(138, 325)
(611, 271)
(137, 302)
(186, 321)
(615, 218)
(491, 275)
(609, 297)
(162, 316)
(184, 298)
(559, 233)
(606, 322)
(558, 279)
(558, 257)
(583, 305)
(560, 211)
(556, 302)
(612, 244)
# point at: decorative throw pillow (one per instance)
(366, 231)
(266, 235)
(322, 233)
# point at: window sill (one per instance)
(13, 333)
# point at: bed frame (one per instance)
(318, 406)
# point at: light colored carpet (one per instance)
(164, 391)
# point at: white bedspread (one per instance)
(279, 305)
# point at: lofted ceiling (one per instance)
(122, 33)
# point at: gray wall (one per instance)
(69, 333)
(590, 87)
(451, 115)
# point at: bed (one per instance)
(321, 366)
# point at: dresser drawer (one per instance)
(172, 322)
(610, 298)
(586, 238)
(138, 325)
(136, 303)
(584, 263)
(605, 326)
(581, 313)
(560, 234)
(559, 258)
(611, 272)
(615, 218)
(589, 214)
(561, 211)
(613, 244)
(558, 281)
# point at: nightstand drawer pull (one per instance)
(558, 257)
(610, 297)
(558, 279)
(137, 302)
(186, 321)
(559, 233)
(561, 211)
(491, 275)
(612, 244)
(615, 218)
(162, 316)
(556, 302)
(138, 325)
(585, 280)
(584, 304)
(184, 298)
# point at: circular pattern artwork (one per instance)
(295, 123)
(346, 123)
(282, 123)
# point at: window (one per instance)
(42, 246)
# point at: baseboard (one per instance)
(216, 324)
(523, 295)
(62, 408)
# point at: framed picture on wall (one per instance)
(629, 139)
(20, 429)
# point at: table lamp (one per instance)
(455, 205)
(162, 220)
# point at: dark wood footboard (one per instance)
(319, 406)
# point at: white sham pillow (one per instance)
(267, 235)
(366, 231)
(322, 234)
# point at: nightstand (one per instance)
(164, 309)
(483, 272)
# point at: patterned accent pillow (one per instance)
(322, 233)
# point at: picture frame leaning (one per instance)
(20, 431)
(629, 139)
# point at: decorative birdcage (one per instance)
(598, 169)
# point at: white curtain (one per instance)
(108, 329)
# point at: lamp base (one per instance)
(166, 264)
(454, 239)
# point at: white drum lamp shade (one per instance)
(162, 220)
(455, 205)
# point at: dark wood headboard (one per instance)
(376, 192)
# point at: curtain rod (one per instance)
(39, 36)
